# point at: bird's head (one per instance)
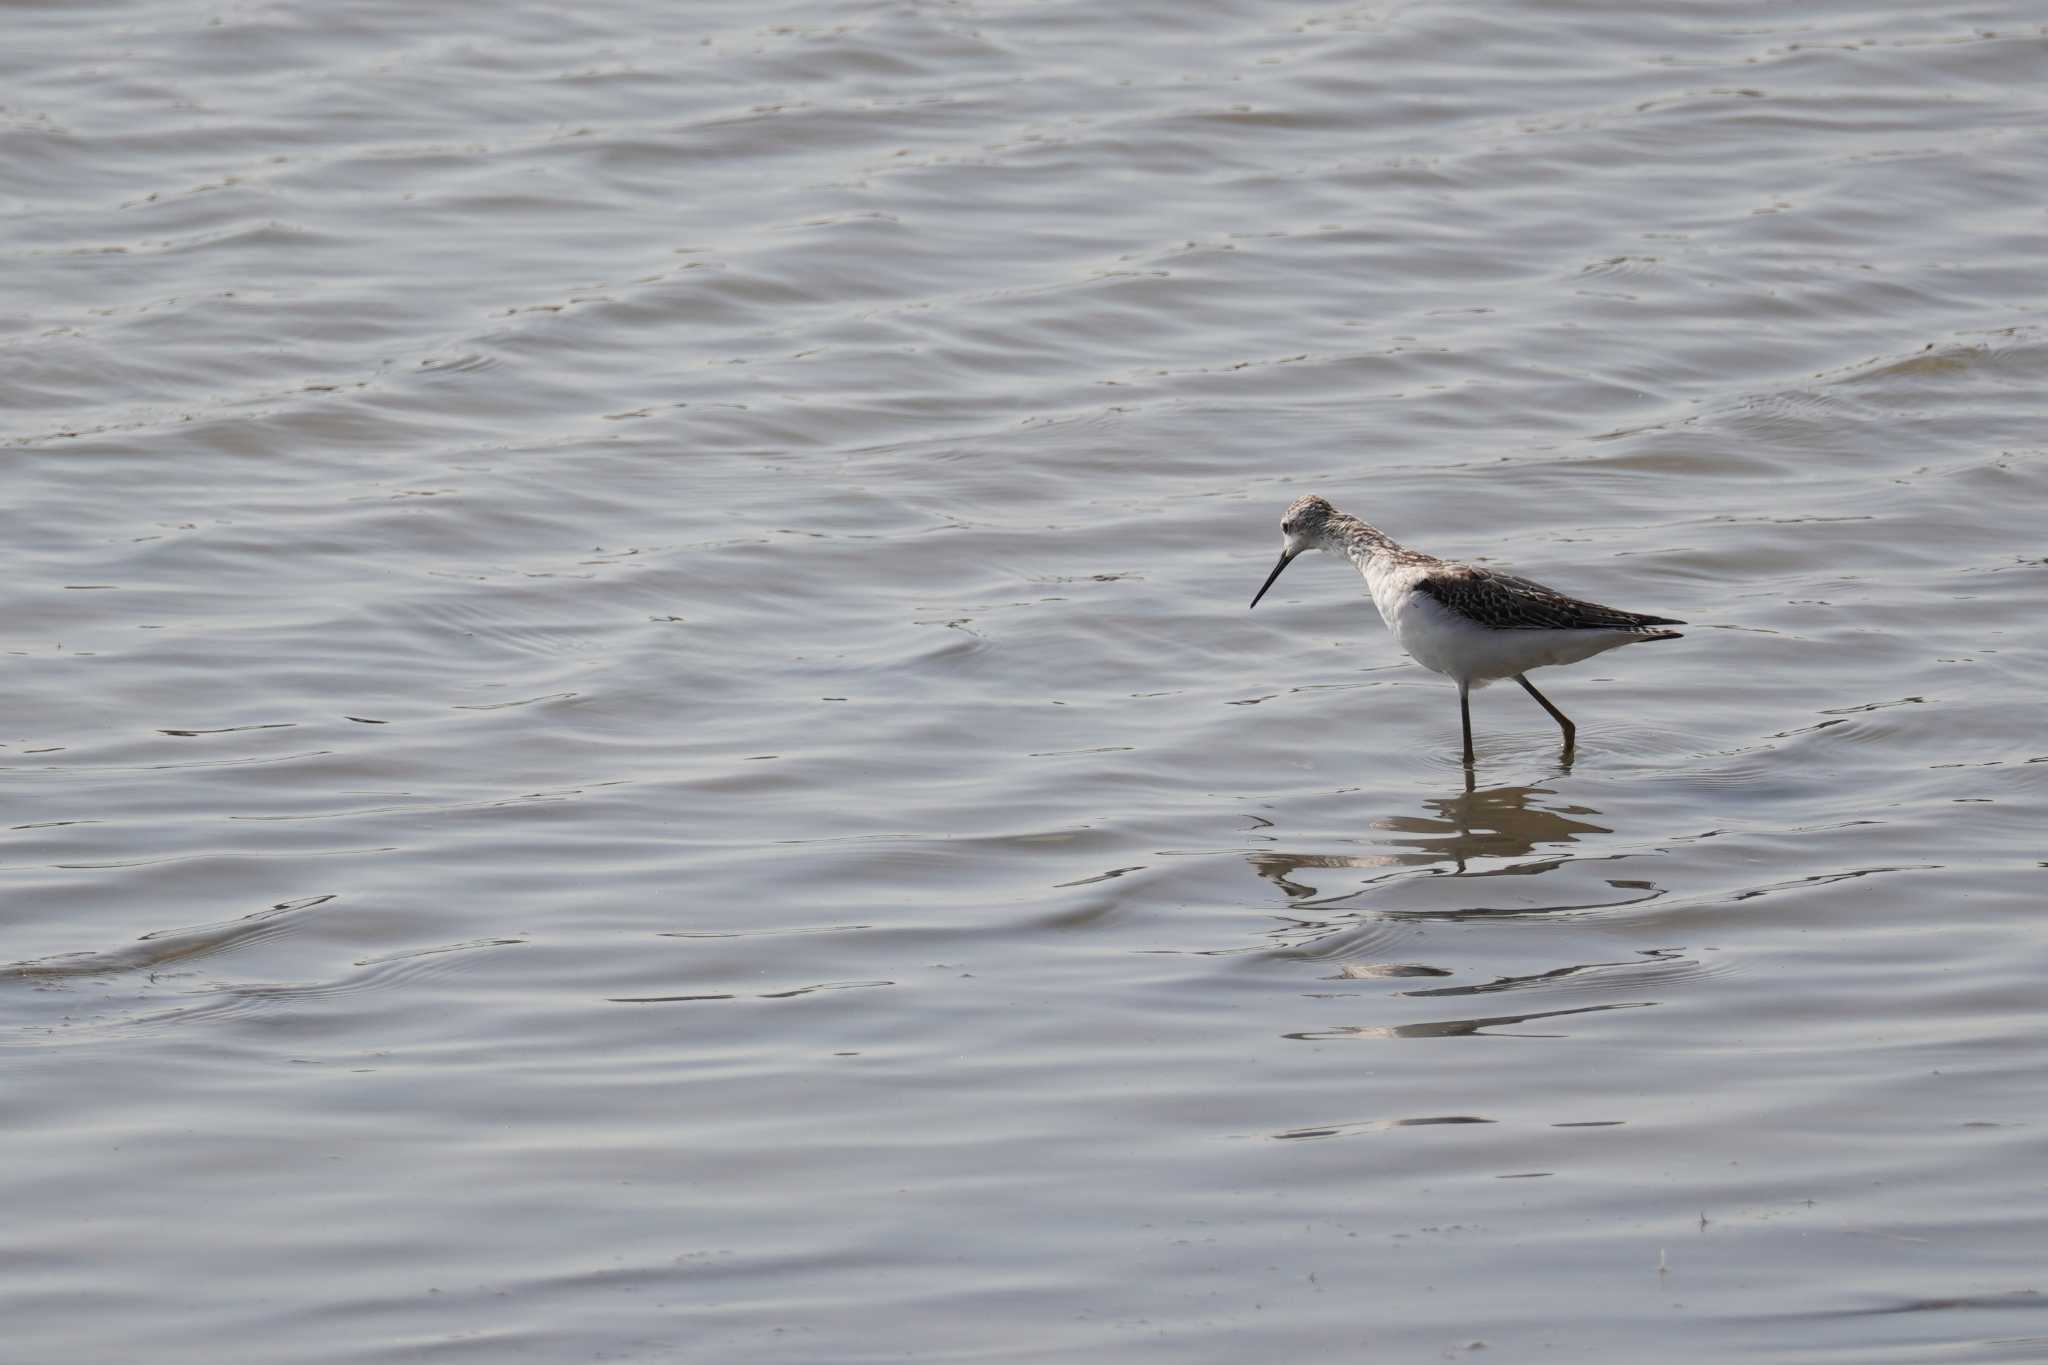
(1300, 529)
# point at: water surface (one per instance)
(633, 733)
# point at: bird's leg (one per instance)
(1564, 723)
(1465, 715)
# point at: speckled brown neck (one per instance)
(1360, 541)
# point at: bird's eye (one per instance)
(1287, 527)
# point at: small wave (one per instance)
(1336, 940)
(88, 769)
(230, 729)
(1460, 1028)
(215, 1002)
(1653, 967)
(166, 946)
(790, 994)
(1329, 1130)
(507, 705)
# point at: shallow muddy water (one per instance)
(633, 732)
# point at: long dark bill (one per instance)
(1285, 560)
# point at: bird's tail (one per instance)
(1644, 624)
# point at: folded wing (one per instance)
(1501, 601)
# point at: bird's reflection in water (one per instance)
(1438, 864)
(1474, 824)
(1446, 863)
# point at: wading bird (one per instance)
(1471, 624)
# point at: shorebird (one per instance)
(1472, 624)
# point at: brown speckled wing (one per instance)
(1501, 601)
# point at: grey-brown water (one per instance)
(632, 732)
